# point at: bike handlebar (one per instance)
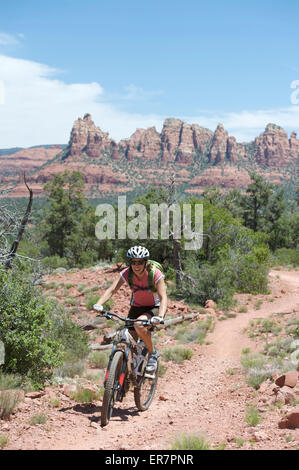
(109, 315)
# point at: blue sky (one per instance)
(132, 63)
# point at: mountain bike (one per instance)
(126, 366)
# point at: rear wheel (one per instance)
(145, 391)
(111, 388)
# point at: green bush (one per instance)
(36, 333)
(91, 301)
(54, 262)
(251, 416)
(176, 354)
(85, 395)
(25, 323)
(285, 256)
(9, 400)
(4, 439)
(98, 359)
(40, 418)
(10, 381)
(194, 334)
(190, 442)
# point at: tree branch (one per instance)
(15, 245)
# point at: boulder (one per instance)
(288, 379)
(210, 304)
(34, 395)
(68, 389)
(291, 420)
(285, 395)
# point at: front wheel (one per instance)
(145, 391)
(111, 387)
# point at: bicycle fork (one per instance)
(120, 385)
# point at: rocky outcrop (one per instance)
(224, 148)
(87, 137)
(199, 157)
(218, 147)
(144, 143)
(274, 149)
(181, 142)
(170, 137)
(291, 420)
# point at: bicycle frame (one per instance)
(130, 343)
(126, 364)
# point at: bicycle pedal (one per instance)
(150, 375)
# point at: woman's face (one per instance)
(138, 265)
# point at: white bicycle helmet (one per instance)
(138, 252)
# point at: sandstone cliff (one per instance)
(197, 156)
(274, 149)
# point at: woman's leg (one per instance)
(144, 332)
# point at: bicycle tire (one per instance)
(145, 391)
(110, 394)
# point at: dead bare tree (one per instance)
(172, 198)
(10, 225)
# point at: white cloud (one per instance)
(134, 93)
(246, 125)
(8, 39)
(40, 109)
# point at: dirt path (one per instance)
(198, 397)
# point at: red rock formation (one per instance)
(294, 145)
(144, 143)
(274, 149)
(185, 150)
(170, 138)
(202, 138)
(178, 145)
(218, 147)
(87, 137)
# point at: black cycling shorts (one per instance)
(136, 312)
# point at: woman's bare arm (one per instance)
(110, 291)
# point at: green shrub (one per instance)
(190, 442)
(85, 395)
(176, 354)
(25, 323)
(194, 334)
(91, 301)
(38, 419)
(54, 262)
(251, 415)
(258, 368)
(286, 256)
(3, 440)
(70, 369)
(109, 304)
(10, 381)
(36, 332)
(98, 359)
(71, 337)
(9, 400)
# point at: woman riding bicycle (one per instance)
(145, 304)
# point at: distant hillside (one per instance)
(10, 151)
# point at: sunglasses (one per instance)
(137, 263)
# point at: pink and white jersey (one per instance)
(142, 296)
